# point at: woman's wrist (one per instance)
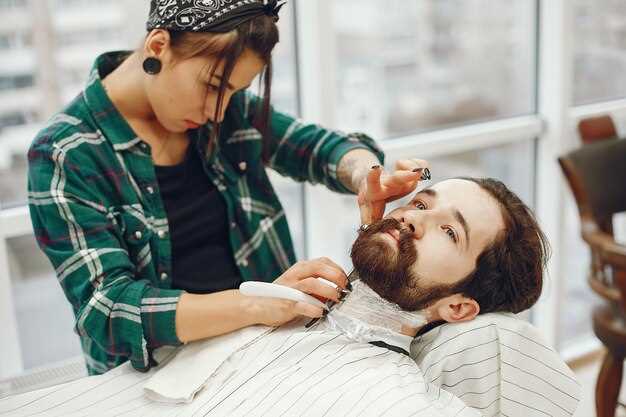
(199, 316)
(354, 166)
(251, 309)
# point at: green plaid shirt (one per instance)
(98, 216)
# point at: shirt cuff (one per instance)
(352, 141)
(158, 317)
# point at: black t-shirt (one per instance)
(202, 258)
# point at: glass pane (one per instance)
(49, 47)
(412, 66)
(335, 220)
(45, 320)
(284, 84)
(285, 98)
(575, 323)
(599, 50)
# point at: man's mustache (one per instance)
(405, 240)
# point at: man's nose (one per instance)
(414, 220)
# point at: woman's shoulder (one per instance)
(67, 129)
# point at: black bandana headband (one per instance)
(208, 15)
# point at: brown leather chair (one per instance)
(598, 128)
(597, 177)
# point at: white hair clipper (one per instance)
(266, 289)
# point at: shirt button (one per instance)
(150, 190)
(138, 235)
(161, 234)
(163, 276)
(233, 225)
(243, 165)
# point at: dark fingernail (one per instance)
(426, 174)
(376, 167)
(418, 169)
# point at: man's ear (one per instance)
(455, 308)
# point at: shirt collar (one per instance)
(109, 120)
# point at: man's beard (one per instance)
(388, 271)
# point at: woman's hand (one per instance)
(378, 188)
(301, 276)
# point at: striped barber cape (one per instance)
(284, 372)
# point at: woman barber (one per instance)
(149, 192)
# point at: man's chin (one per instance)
(382, 282)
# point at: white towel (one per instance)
(186, 374)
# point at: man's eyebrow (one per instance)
(466, 229)
(429, 192)
(457, 214)
(228, 85)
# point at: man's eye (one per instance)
(420, 205)
(451, 234)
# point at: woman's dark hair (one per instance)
(509, 272)
(259, 35)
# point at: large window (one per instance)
(403, 67)
(599, 45)
(46, 66)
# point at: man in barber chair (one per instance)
(459, 248)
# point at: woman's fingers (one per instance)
(314, 286)
(332, 264)
(365, 210)
(410, 164)
(308, 310)
(373, 180)
(316, 268)
(401, 178)
(378, 210)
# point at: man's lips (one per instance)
(395, 234)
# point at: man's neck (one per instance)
(364, 316)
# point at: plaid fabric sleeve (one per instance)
(77, 231)
(306, 151)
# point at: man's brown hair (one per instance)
(509, 272)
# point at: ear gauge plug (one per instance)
(152, 65)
